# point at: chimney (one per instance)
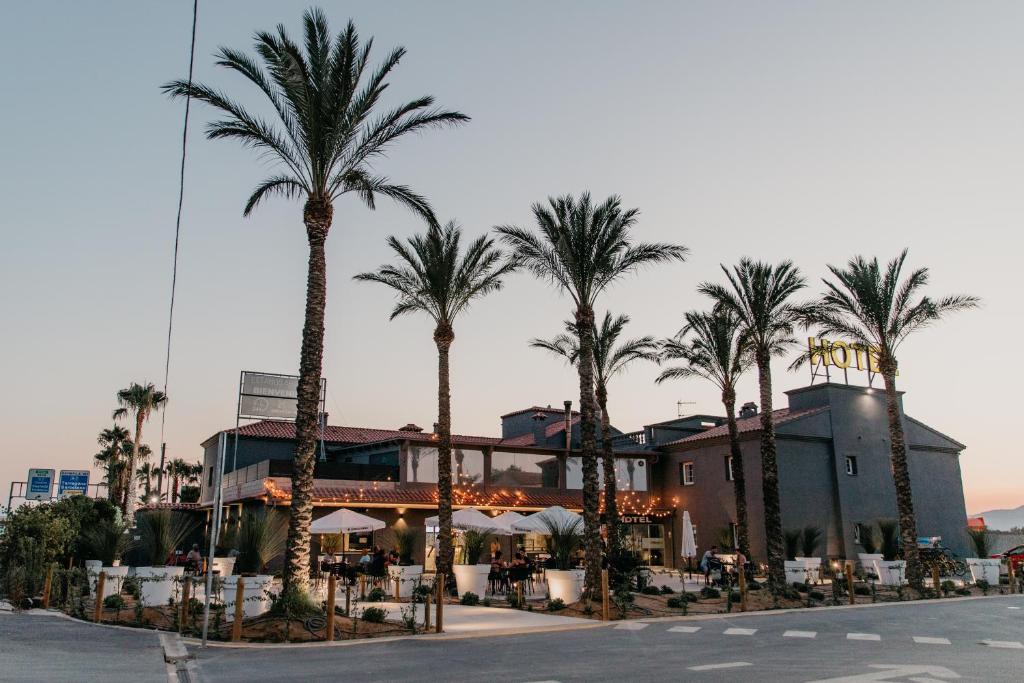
(411, 428)
(539, 423)
(437, 427)
(568, 425)
(748, 409)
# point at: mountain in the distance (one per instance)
(1003, 520)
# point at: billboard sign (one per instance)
(268, 396)
(40, 484)
(72, 483)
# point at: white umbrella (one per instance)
(470, 518)
(505, 520)
(538, 522)
(345, 521)
(688, 546)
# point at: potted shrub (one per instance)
(107, 541)
(227, 542)
(870, 541)
(810, 540)
(983, 567)
(162, 532)
(407, 573)
(796, 570)
(563, 540)
(261, 538)
(471, 577)
(891, 571)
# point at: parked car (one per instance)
(1014, 555)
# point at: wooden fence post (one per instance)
(186, 591)
(849, 582)
(440, 603)
(398, 589)
(47, 586)
(348, 600)
(426, 612)
(236, 627)
(329, 626)
(362, 586)
(605, 615)
(743, 589)
(100, 581)
(1013, 577)
(936, 577)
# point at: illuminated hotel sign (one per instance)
(843, 355)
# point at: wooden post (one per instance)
(849, 582)
(743, 590)
(362, 586)
(100, 581)
(348, 600)
(426, 612)
(185, 596)
(398, 589)
(236, 627)
(1013, 576)
(935, 577)
(440, 603)
(604, 595)
(329, 627)
(46, 587)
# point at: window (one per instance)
(209, 479)
(851, 465)
(686, 473)
(630, 473)
(524, 470)
(728, 468)
(467, 466)
(856, 530)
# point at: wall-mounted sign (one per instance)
(40, 484)
(843, 355)
(267, 396)
(72, 483)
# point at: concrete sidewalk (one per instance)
(462, 619)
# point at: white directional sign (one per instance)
(40, 485)
(919, 673)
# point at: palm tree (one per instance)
(437, 277)
(110, 458)
(609, 360)
(878, 310)
(711, 346)
(326, 139)
(177, 469)
(760, 296)
(581, 249)
(144, 475)
(138, 401)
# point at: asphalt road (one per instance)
(968, 640)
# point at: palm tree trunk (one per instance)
(591, 499)
(317, 215)
(175, 483)
(739, 481)
(901, 478)
(611, 510)
(443, 338)
(129, 499)
(770, 480)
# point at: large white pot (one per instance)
(92, 572)
(868, 562)
(156, 584)
(985, 569)
(471, 578)
(224, 565)
(408, 577)
(255, 600)
(891, 572)
(566, 585)
(813, 567)
(796, 572)
(115, 579)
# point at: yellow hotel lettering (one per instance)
(843, 355)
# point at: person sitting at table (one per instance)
(705, 562)
(194, 559)
(364, 561)
(519, 560)
(378, 565)
(496, 576)
(393, 557)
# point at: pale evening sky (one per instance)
(811, 131)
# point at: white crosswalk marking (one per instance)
(632, 626)
(799, 634)
(863, 636)
(724, 665)
(739, 631)
(1013, 608)
(684, 629)
(928, 640)
(1008, 644)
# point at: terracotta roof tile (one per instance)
(750, 424)
(271, 429)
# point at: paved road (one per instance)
(36, 647)
(970, 640)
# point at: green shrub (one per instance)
(675, 602)
(754, 585)
(791, 593)
(667, 590)
(983, 585)
(861, 590)
(420, 592)
(470, 599)
(689, 597)
(650, 590)
(374, 615)
(947, 587)
(113, 602)
(801, 587)
(556, 604)
(963, 591)
(735, 596)
(707, 592)
(486, 602)
(816, 595)
(260, 538)
(376, 595)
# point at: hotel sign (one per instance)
(843, 355)
(267, 396)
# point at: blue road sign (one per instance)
(72, 483)
(40, 484)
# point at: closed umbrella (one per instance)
(688, 547)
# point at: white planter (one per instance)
(408, 576)
(869, 562)
(985, 569)
(813, 567)
(565, 585)
(254, 596)
(471, 578)
(891, 572)
(796, 572)
(224, 565)
(115, 579)
(157, 584)
(92, 571)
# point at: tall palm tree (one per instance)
(712, 348)
(326, 137)
(610, 358)
(113, 440)
(177, 469)
(581, 249)
(760, 296)
(434, 275)
(878, 311)
(144, 475)
(137, 402)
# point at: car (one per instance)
(1014, 555)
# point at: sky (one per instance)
(784, 130)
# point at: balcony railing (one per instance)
(630, 439)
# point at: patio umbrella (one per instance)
(505, 520)
(345, 521)
(688, 546)
(537, 523)
(471, 518)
